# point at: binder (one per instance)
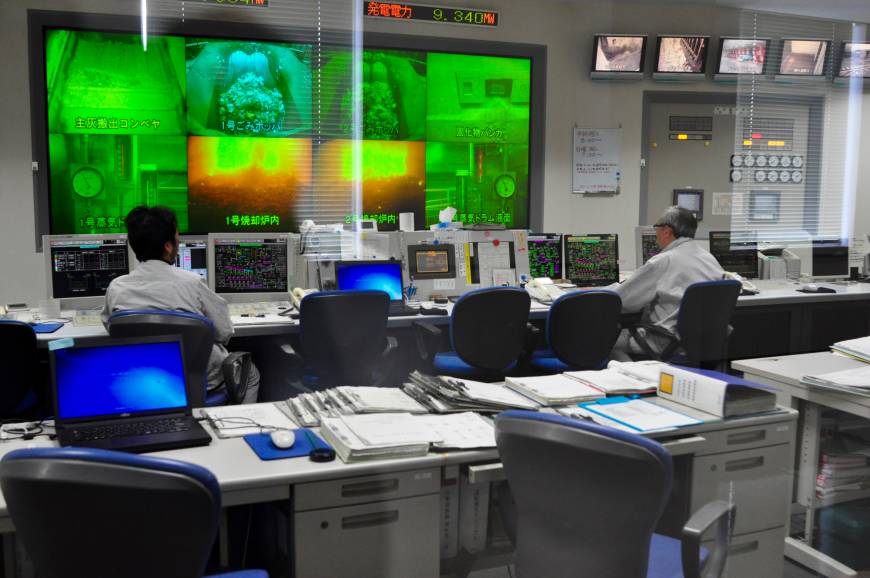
(716, 393)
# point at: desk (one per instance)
(785, 374)
(747, 458)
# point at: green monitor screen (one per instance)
(233, 134)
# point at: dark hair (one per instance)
(148, 230)
(681, 221)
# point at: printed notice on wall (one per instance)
(596, 160)
(723, 203)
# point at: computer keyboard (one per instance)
(131, 429)
(259, 308)
(400, 309)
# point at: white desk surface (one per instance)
(789, 369)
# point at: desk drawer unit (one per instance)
(755, 555)
(364, 489)
(744, 438)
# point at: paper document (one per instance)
(612, 382)
(553, 389)
(639, 414)
(240, 420)
(490, 392)
(380, 399)
(857, 348)
(857, 377)
(465, 430)
(643, 370)
(386, 429)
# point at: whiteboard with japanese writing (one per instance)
(597, 160)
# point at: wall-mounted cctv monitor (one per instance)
(742, 55)
(248, 267)
(803, 57)
(681, 56)
(646, 246)
(193, 255)
(618, 55)
(830, 259)
(855, 60)
(691, 199)
(432, 261)
(79, 268)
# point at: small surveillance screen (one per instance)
(856, 59)
(803, 57)
(435, 261)
(742, 56)
(619, 53)
(682, 54)
(193, 256)
(693, 200)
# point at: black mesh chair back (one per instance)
(583, 326)
(587, 497)
(20, 365)
(197, 336)
(704, 321)
(343, 335)
(488, 327)
(104, 514)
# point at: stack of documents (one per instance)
(622, 377)
(842, 477)
(855, 380)
(465, 431)
(307, 409)
(855, 348)
(451, 394)
(635, 415)
(240, 420)
(552, 390)
(377, 436)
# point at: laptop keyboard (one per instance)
(398, 309)
(131, 429)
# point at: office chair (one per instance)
(20, 369)
(701, 339)
(344, 338)
(197, 335)
(101, 513)
(487, 333)
(581, 330)
(588, 499)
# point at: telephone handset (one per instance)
(542, 289)
(747, 288)
(298, 294)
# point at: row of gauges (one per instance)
(773, 161)
(769, 176)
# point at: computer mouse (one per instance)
(811, 287)
(283, 438)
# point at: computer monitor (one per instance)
(79, 268)
(681, 54)
(691, 199)
(742, 55)
(432, 261)
(830, 259)
(855, 60)
(619, 53)
(737, 257)
(248, 266)
(803, 57)
(592, 260)
(193, 255)
(646, 245)
(546, 256)
(370, 275)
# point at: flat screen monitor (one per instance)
(742, 55)
(855, 60)
(370, 275)
(193, 255)
(737, 257)
(691, 199)
(619, 53)
(592, 260)
(646, 246)
(432, 261)
(682, 54)
(248, 264)
(830, 259)
(80, 267)
(764, 206)
(803, 57)
(546, 256)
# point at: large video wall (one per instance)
(235, 134)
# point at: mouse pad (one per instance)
(262, 445)
(47, 327)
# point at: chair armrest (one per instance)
(236, 369)
(424, 334)
(293, 357)
(667, 352)
(722, 515)
(392, 345)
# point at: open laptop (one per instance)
(124, 394)
(374, 275)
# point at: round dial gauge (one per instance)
(785, 162)
(761, 161)
(772, 176)
(797, 176)
(784, 176)
(749, 161)
(797, 161)
(736, 175)
(87, 182)
(737, 160)
(760, 176)
(773, 161)
(505, 186)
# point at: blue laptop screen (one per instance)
(386, 276)
(122, 378)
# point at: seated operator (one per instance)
(156, 284)
(658, 286)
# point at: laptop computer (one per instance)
(124, 394)
(374, 275)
